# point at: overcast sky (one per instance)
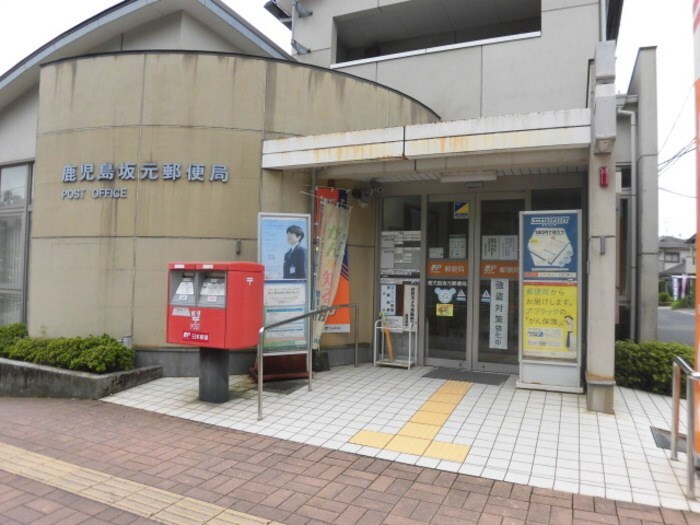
(28, 24)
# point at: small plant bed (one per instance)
(95, 354)
(76, 367)
(648, 365)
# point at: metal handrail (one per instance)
(309, 344)
(679, 365)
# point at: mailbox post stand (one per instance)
(213, 375)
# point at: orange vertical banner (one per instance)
(696, 34)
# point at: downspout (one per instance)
(633, 219)
(603, 21)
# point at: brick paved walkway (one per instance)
(272, 479)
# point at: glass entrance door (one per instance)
(447, 278)
(498, 311)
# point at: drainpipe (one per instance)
(633, 218)
(603, 21)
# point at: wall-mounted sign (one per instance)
(128, 171)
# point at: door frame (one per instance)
(466, 362)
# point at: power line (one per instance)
(676, 193)
(689, 147)
(685, 101)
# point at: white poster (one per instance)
(508, 245)
(388, 299)
(498, 333)
(410, 304)
(490, 248)
(285, 294)
(458, 246)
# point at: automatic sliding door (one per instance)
(447, 270)
(498, 284)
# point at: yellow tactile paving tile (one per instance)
(437, 407)
(188, 511)
(370, 438)
(455, 387)
(417, 436)
(231, 517)
(429, 418)
(447, 451)
(408, 445)
(419, 430)
(452, 399)
(139, 499)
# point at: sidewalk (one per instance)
(397, 447)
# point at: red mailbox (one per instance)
(215, 305)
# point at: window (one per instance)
(672, 257)
(410, 26)
(15, 182)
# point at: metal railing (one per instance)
(680, 366)
(309, 345)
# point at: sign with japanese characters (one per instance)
(498, 314)
(82, 180)
(550, 283)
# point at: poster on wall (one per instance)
(283, 250)
(283, 246)
(550, 285)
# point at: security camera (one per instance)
(362, 196)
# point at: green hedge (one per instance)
(99, 355)
(648, 365)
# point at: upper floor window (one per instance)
(13, 186)
(672, 256)
(417, 24)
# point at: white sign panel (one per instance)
(498, 335)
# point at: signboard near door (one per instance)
(550, 297)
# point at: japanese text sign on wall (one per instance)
(88, 173)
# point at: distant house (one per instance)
(677, 264)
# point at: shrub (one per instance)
(665, 298)
(100, 355)
(648, 365)
(684, 302)
(9, 334)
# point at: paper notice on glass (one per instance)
(490, 248)
(458, 247)
(436, 253)
(508, 246)
(388, 299)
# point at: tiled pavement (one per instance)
(397, 448)
(69, 461)
(542, 439)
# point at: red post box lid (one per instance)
(237, 266)
(182, 266)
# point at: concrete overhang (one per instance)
(425, 151)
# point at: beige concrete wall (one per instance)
(99, 265)
(524, 76)
(643, 84)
